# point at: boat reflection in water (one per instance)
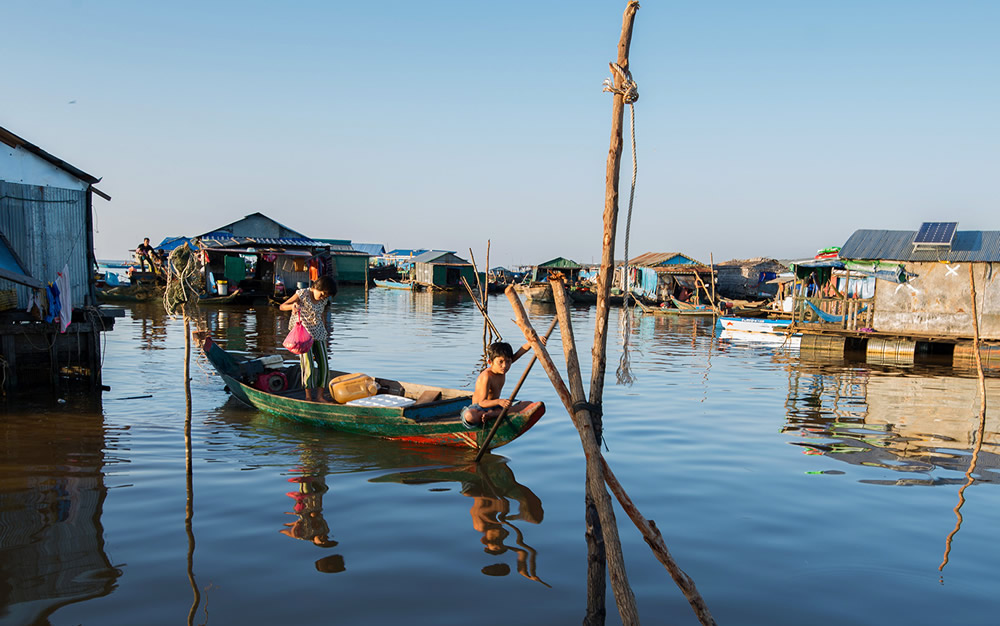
(499, 508)
(868, 416)
(492, 487)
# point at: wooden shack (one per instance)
(443, 270)
(46, 240)
(660, 276)
(748, 279)
(262, 257)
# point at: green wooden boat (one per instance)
(436, 422)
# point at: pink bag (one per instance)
(298, 340)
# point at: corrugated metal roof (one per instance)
(561, 263)
(372, 249)
(969, 246)
(439, 256)
(653, 259)
(219, 240)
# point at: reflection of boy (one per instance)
(486, 400)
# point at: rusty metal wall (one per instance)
(47, 228)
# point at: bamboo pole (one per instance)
(486, 286)
(583, 420)
(481, 309)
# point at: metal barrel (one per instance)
(825, 347)
(965, 355)
(890, 351)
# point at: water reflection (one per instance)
(492, 487)
(913, 423)
(52, 495)
(323, 454)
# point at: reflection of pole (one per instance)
(980, 432)
(189, 507)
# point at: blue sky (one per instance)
(768, 128)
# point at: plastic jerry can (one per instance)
(349, 387)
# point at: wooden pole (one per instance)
(503, 414)
(711, 267)
(599, 353)
(655, 541)
(980, 431)
(481, 309)
(584, 422)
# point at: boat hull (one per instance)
(754, 325)
(433, 423)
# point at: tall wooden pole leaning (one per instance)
(595, 541)
(590, 443)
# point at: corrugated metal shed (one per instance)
(969, 246)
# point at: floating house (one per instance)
(660, 276)
(569, 269)
(748, 279)
(50, 323)
(440, 269)
(261, 257)
(935, 294)
(899, 296)
(348, 265)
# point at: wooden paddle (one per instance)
(506, 409)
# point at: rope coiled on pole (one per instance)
(629, 91)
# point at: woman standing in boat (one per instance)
(311, 305)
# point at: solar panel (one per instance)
(935, 234)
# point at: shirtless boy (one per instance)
(486, 400)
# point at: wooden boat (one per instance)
(230, 298)
(395, 284)
(436, 422)
(130, 293)
(535, 292)
(664, 310)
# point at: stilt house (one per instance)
(47, 265)
(440, 269)
(659, 276)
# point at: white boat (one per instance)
(754, 325)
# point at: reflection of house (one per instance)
(439, 269)
(901, 423)
(935, 297)
(748, 279)
(46, 236)
(51, 534)
(659, 276)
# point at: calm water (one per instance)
(791, 491)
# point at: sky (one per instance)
(770, 128)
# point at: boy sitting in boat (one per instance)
(486, 400)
